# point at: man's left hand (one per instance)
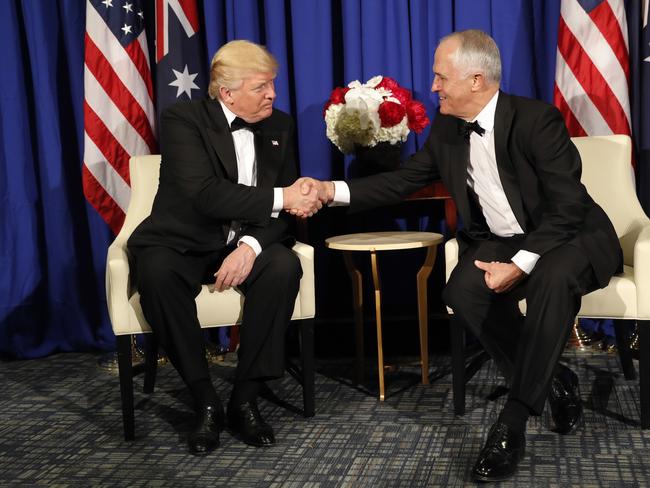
(235, 268)
(500, 277)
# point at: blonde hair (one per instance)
(476, 51)
(235, 61)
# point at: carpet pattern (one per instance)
(60, 425)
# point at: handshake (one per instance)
(307, 196)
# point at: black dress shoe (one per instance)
(564, 399)
(204, 438)
(499, 458)
(246, 422)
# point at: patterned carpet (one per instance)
(60, 425)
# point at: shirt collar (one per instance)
(485, 117)
(226, 111)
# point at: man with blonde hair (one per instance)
(531, 231)
(226, 175)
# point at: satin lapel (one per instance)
(453, 169)
(221, 140)
(503, 119)
(270, 146)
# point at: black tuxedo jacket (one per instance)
(198, 195)
(539, 168)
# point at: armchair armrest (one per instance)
(642, 272)
(451, 257)
(307, 292)
(117, 283)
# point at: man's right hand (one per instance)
(300, 199)
(324, 192)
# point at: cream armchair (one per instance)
(214, 309)
(608, 176)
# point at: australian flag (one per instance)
(181, 63)
(639, 34)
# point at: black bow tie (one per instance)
(468, 127)
(239, 123)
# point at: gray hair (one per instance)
(477, 52)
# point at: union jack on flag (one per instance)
(119, 117)
(180, 52)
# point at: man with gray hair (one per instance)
(226, 175)
(531, 231)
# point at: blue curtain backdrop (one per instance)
(53, 244)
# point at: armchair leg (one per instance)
(306, 329)
(621, 328)
(125, 367)
(150, 362)
(457, 335)
(644, 371)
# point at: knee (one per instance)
(464, 288)
(154, 276)
(284, 266)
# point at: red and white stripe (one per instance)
(592, 73)
(119, 116)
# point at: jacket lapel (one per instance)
(503, 118)
(270, 145)
(221, 139)
(453, 167)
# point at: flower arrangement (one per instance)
(379, 110)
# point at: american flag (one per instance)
(180, 52)
(592, 73)
(119, 117)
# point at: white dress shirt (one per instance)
(244, 141)
(483, 178)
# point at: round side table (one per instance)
(374, 242)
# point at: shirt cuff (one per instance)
(341, 194)
(278, 202)
(525, 260)
(252, 242)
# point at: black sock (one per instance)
(514, 415)
(245, 391)
(204, 393)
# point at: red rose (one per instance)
(337, 96)
(402, 94)
(391, 113)
(417, 116)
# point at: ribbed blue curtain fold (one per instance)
(53, 245)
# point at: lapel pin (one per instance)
(274, 142)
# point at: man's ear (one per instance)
(478, 81)
(225, 94)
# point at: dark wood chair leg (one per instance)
(125, 367)
(457, 335)
(643, 328)
(150, 362)
(622, 329)
(306, 328)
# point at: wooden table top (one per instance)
(383, 241)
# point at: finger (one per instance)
(482, 265)
(218, 284)
(305, 187)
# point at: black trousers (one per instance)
(169, 281)
(526, 349)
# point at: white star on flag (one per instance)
(108, 3)
(184, 82)
(128, 7)
(126, 29)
